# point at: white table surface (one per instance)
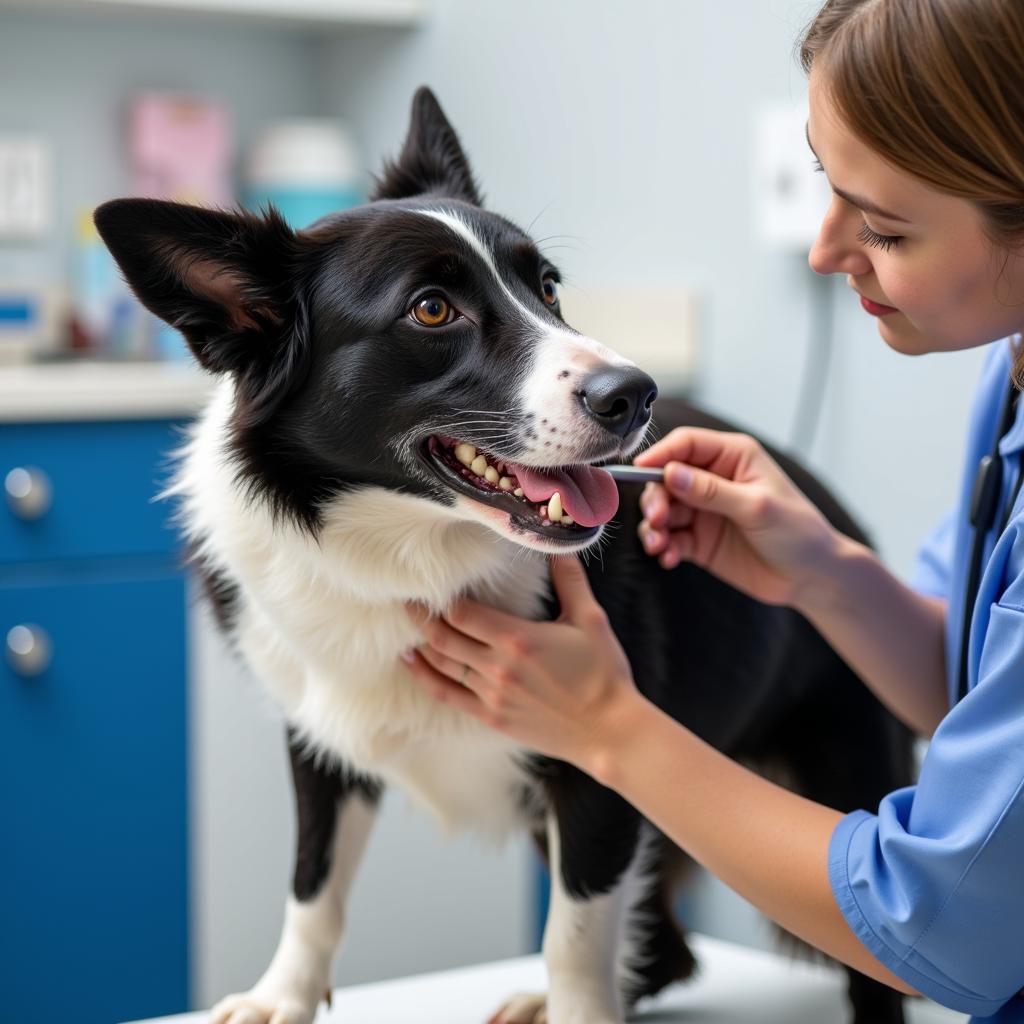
(736, 985)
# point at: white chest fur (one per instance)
(322, 623)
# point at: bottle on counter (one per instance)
(306, 167)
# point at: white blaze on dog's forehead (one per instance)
(568, 343)
(463, 229)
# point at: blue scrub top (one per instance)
(933, 884)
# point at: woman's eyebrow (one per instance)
(859, 201)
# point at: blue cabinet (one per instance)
(93, 725)
(103, 477)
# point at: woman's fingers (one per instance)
(660, 518)
(478, 621)
(687, 486)
(449, 641)
(452, 669)
(710, 470)
(677, 517)
(697, 446)
(655, 505)
(441, 685)
(658, 505)
(709, 492)
(571, 585)
(670, 547)
(655, 541)
(680, 547)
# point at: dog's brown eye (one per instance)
(550, 288)
(433, 311)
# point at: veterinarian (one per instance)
(917, 119)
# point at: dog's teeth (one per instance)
(567, 520)
(465, 453)
(505, 484)
(479, 465)
(518, 492)
(491, 475)
(555, 507)
(543, 511)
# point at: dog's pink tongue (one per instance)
(589, 494)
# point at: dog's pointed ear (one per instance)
(432, 161)
(225, 280)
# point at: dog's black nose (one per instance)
(619, 398)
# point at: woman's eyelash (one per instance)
(877, 241)
(866, 235)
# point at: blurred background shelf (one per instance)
(309, 13)
(100, 391)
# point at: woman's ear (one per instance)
(432, 161)
(227, 281)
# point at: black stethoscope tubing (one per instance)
(988, 483)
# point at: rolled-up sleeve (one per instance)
(933, 884)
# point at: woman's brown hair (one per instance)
(936, 88)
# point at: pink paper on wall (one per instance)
(180, 148)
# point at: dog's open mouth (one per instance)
(555, 501)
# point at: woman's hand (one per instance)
(556, 687)
(731, 510)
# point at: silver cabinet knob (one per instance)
(28, 492)
(29, 650)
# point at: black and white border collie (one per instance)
(399, 402)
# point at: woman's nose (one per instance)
(837, 250)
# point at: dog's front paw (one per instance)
(525, 1008)
(263, 1006)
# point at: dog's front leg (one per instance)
(596, 852)
(581, 944)
(336, 810)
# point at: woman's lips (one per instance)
(876, 308)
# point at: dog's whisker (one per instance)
(483, 436)
(489, 414)
(491, 421)
(562, 245)
(482, 412)
(478, 424)
(548, 238)
(488, 442)
(490, 425)
(539, 215)
(482, 421)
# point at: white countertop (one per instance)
(736, 985)
(101, 391)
